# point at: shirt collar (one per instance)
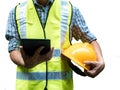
(35, 1)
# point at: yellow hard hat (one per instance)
(79, 52)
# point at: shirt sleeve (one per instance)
(79, 28)
(11, 32)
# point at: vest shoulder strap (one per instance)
(16, 20)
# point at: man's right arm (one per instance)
(16, 57)
(13, 39)
(11, 32)
(21, 59)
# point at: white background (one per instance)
(102, 18)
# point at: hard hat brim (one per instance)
(76, 61)
(69, 54)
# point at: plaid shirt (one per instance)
(78, 27)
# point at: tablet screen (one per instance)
(31, 45)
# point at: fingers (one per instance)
(44, 57)
(37, 52)
(36, 58)
(90, 62)
(49, 54)
(52, 49)
(95, 68)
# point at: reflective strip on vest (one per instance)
(22, 19)
(56, 53)
(64, 19)
(42, 75)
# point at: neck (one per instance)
(43, 2)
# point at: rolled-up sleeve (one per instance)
(11, 32)
(79, 28)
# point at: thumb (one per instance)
(22, 51)
(39, 50)
(89, 62)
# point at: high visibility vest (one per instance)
(57, 30)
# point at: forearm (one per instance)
(16, 57)
(98, 51)
(98, 66)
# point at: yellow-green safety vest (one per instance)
(57, 30)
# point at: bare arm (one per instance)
(98, 66)
(16, 57)
(98, 51)
(20, 58)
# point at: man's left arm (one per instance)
(96, 66)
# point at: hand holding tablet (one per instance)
(31, 45)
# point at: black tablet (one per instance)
(31, 45)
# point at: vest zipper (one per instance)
(44, 38)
